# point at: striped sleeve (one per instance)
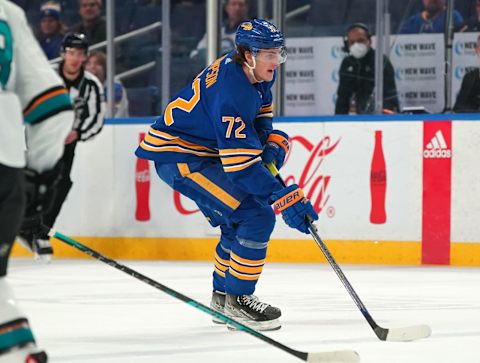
(44, 101)
(265, 111)
(157, 141)
(239, 159)
(47, 104)
(90, 121)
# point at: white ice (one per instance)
(86, 311)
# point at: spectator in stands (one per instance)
(51, 29)
(355, 93)
(468, 99)
(431, 19)
(97, 65)
(473, 23)
(93, 24)
(236, 11)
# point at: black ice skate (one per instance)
(250, 311)
(218, 304)
(40, 247)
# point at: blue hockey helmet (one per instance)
(259, 34)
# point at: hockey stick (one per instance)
(339, 356)
(395, 334)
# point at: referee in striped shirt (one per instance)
(88, 99)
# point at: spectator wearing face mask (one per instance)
(357, 76)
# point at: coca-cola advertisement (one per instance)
(386, 192)
(378, 182)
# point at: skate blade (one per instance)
(258, 326)
(43, 259)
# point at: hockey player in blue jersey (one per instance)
(211, 145)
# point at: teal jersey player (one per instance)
(211, 144)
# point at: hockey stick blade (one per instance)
(404, 334)
(392, 335)
(342, 356)
(339, 356)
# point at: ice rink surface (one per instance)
(86, 311)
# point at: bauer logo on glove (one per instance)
(288, 200)
(295, 208)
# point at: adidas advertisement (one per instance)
(437, 189)
(437, 147)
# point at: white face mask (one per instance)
(358, 50)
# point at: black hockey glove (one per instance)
(40, 189)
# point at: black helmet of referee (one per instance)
(75, 40)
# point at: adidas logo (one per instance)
(437, 147)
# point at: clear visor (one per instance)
(278, 55)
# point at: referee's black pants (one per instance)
(63, 186)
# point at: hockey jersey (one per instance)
(219, 115)
(31, 93)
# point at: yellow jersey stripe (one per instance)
(160, 142)
(235, 159)
(221, 273)
(264, 115)
(264, 109)
(229, 169)
(221, 260)
(220, 266)
(214, 189)
(245, 261)
(162, 134)
(183, 169)
(241, 276)
(175, 148)
(234, 152)
(246, 269)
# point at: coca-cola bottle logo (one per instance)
(378, 176)
(313, 183)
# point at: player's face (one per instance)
(267, 60)
(73, 59)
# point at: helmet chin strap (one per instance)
(251, 68)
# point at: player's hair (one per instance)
(239, 56)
